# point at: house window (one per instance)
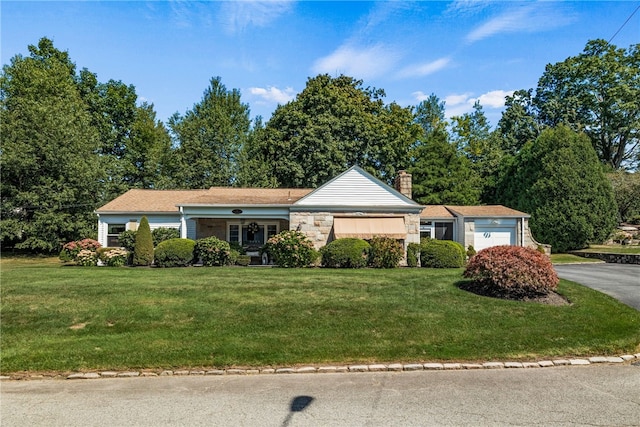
(425, 230)
(234, 233)
(251, 233)
(444, 230)
(112, 234)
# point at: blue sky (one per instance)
(460, 50)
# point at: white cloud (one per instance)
(272, 94)
(421, 70)
(359, 63)
(238, 15)
(524, 17)
(494, 98)
(459, 104)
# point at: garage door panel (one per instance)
(486, 237)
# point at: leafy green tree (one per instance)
(596, 92)
(50, 175)
(209, 138)
(626, 188)
(148, 159)
(441, 174)
(559, 180)
(143, 248)
(519, 122)
(332, 124)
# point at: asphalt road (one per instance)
(577, 395)
(621, 281)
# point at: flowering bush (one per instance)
(71, 251)
(213, 251)
(290, 249)
(511, 272)
(113, 257)
(345, 253)
(86, 258)
(385, 252)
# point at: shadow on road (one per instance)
(298, 404)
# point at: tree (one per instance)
(559, 180)
(519, 122)
(626, 189)
(209, 138)
(473, 138)
(440, 173)
(148, 158)
(332, 124)
(143, 248)
(50, 174)
(598, 93)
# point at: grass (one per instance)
(571, 259)
(69, 318)
(613, 249)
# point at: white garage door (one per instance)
(486, 237)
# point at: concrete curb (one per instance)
(378, 367)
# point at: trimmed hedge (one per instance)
(345, 253)
(511, 272)
(385, 252)
(441, 254)
(175, 253)
(213, 252)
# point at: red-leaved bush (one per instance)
(511, 272)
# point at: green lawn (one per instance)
(571, 259)
(70, 318)
(613, 249)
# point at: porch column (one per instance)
(183, 224)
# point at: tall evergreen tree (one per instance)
(559, 180)
(50, 175)
(441, 173)
(209, 138)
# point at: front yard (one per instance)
(70, 318)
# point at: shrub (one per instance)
(127, 240)
(86, 258)
(175, 253)
(441, 254)
(511, 272)
(345, 253)
(161, 234)
(236, 246)
(385, 252)
(71, 250)
(243, 260)
(290, 248)
(113, 257)
(413, 252)
(471, 251)
(213, 251)
(143, 248)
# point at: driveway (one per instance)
(621, 281)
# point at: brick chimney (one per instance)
(403, 183)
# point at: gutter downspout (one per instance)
(183, 224)
(522, 231)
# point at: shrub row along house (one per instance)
(353, 204)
